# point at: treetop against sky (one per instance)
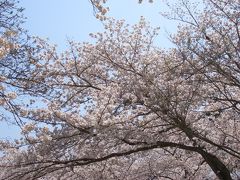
(117, 105)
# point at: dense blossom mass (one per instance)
(122, 108)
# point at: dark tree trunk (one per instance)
(216, 165)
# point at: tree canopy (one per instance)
(122, 108)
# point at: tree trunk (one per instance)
(216, 165)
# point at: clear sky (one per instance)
(60, 20)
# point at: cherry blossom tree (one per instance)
(13, 45)
(122, 108)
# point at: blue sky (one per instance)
(74, 19)
(60, 20)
